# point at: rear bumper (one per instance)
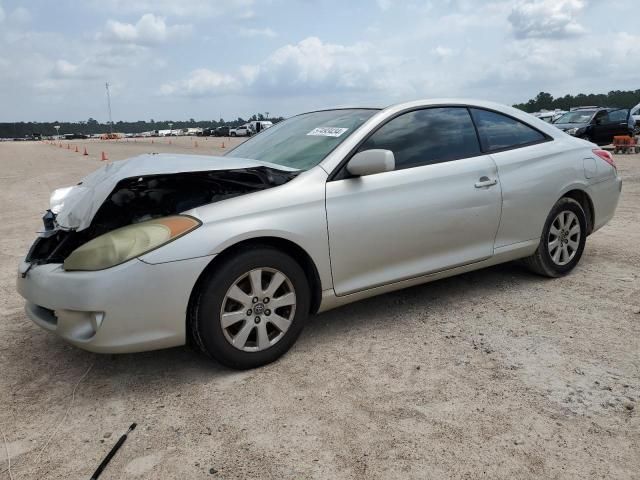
(132, 307)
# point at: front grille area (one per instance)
(54, 248)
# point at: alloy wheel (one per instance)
(564, 237)
(258, 309)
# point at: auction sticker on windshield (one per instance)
(327, 131)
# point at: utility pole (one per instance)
(109, 106)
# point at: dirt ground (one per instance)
(492, 374)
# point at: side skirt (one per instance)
(501, 255)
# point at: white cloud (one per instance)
(202, 82)
(546, 18)
(505, 50)
(312, 64)
(308, 66)
(20, 15)
(443, 52)
(64, 69)
(257, 32)
(187, 9)
(149, 30)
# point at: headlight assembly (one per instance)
(128, 242)
(577, 131)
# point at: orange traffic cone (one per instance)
(60, 145)
(222, 146)
(85, 151)
(76, 148)
(104, 157)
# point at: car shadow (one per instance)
(477, 287)
(165, 372)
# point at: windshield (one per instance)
(580, 116)
(303, 141)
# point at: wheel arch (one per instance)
(585, 202)
(286, 246)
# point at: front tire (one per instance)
(562, 242)
(251, 308)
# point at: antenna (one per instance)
(109, 106)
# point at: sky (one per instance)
(182, 59)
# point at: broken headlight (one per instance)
(128, 242)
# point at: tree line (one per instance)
(542, 101)
(92, 126)
(615, 98)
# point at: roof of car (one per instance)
(397, 108)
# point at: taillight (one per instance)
(606, 156)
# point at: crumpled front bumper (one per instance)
(133, 307)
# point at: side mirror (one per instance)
(371, 162)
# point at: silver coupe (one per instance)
(232, 254)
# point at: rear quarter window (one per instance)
(500, 132)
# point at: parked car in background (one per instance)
(222, 131)
(549, 116)
(242, 131)
(635, 114)
(75, 136)
(595, 124)
(258, 125)
(326, 208)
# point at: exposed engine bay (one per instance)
(137, 199)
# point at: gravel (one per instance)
(496, 373)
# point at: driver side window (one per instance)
(602, 118)
(428, 136)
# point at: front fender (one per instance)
(294, 212)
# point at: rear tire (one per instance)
(562, 242)
(251, 308)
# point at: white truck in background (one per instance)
(241, 131)
(258, 125)
(250, 128)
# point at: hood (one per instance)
(567, 126)
(76, 206)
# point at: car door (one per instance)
(531, 174)
(600, 126)
(618, 123)
(438, 209)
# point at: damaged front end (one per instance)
(139, 198)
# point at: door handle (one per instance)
(486, 182)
